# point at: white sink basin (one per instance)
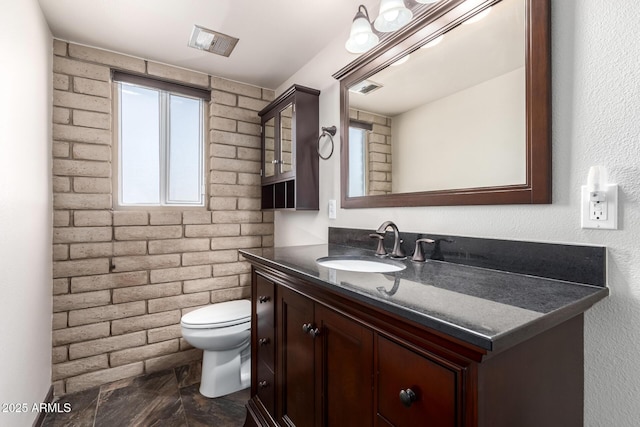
(359, 264)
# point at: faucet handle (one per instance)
(418, 254)
(380, 251)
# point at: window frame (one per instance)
(364, 129)
(165, 90)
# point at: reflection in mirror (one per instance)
(269, 147)
(286, 115)
(452, 115)
(489, 140)
(369, 154)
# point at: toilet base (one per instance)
(225, 372)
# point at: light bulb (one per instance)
(361, 38)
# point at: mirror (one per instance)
(453, 110)
(286, 162)
(269, 148)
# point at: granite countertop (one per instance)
(487, 308)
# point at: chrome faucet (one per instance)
(397, 251)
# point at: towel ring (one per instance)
(330, 132)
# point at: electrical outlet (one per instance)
(599, 209)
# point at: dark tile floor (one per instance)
(168, 398)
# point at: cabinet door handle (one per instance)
(314, 332)
(263, 299)
(306, 327)
(263, 341)
(407, 397)
(263, 384)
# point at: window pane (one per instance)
(139, 145)
(357, 170)
(184, 150)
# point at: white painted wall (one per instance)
(25, 208)
(472, 138)
(596, 111)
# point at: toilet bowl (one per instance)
(223, 332)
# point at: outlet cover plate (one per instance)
(611, 221)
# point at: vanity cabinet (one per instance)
(263, 339)
(326, 364)
(321, 357)
(413, 389)
(289, 167)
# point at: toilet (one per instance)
(223, 331)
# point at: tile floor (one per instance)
(169, 398)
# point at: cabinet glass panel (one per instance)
(286, 161)
(269, 147)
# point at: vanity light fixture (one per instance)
(212, 41)
(393, 15)
(361, 38)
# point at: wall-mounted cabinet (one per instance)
(289, 150)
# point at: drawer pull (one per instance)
(407, 397)
(263, 341)
(263, 384)
(306, 327)
(263, 299)
(314, 332)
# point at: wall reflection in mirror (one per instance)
(452, 115)
(284, 162)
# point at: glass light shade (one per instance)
(393, 15)
(427, 1)
(361, 38)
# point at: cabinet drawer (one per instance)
(266, 387)
(429, 388)
(265, 301)
(266, 343)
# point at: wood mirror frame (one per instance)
(429, 23)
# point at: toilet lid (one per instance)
(219, 315)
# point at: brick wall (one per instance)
(123, 278)
(379, 161)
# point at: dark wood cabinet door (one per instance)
(345, 381)
(429, 389)
(297, 362)
(265, 321)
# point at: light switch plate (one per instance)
(609, 219)
(332, 209)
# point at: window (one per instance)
(357, 162)
(160, 144)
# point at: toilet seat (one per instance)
(218, 315)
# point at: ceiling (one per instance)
(467, 56)
(277, 37)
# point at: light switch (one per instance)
(332, 209)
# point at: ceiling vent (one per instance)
(212, 41)
(365, 87)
